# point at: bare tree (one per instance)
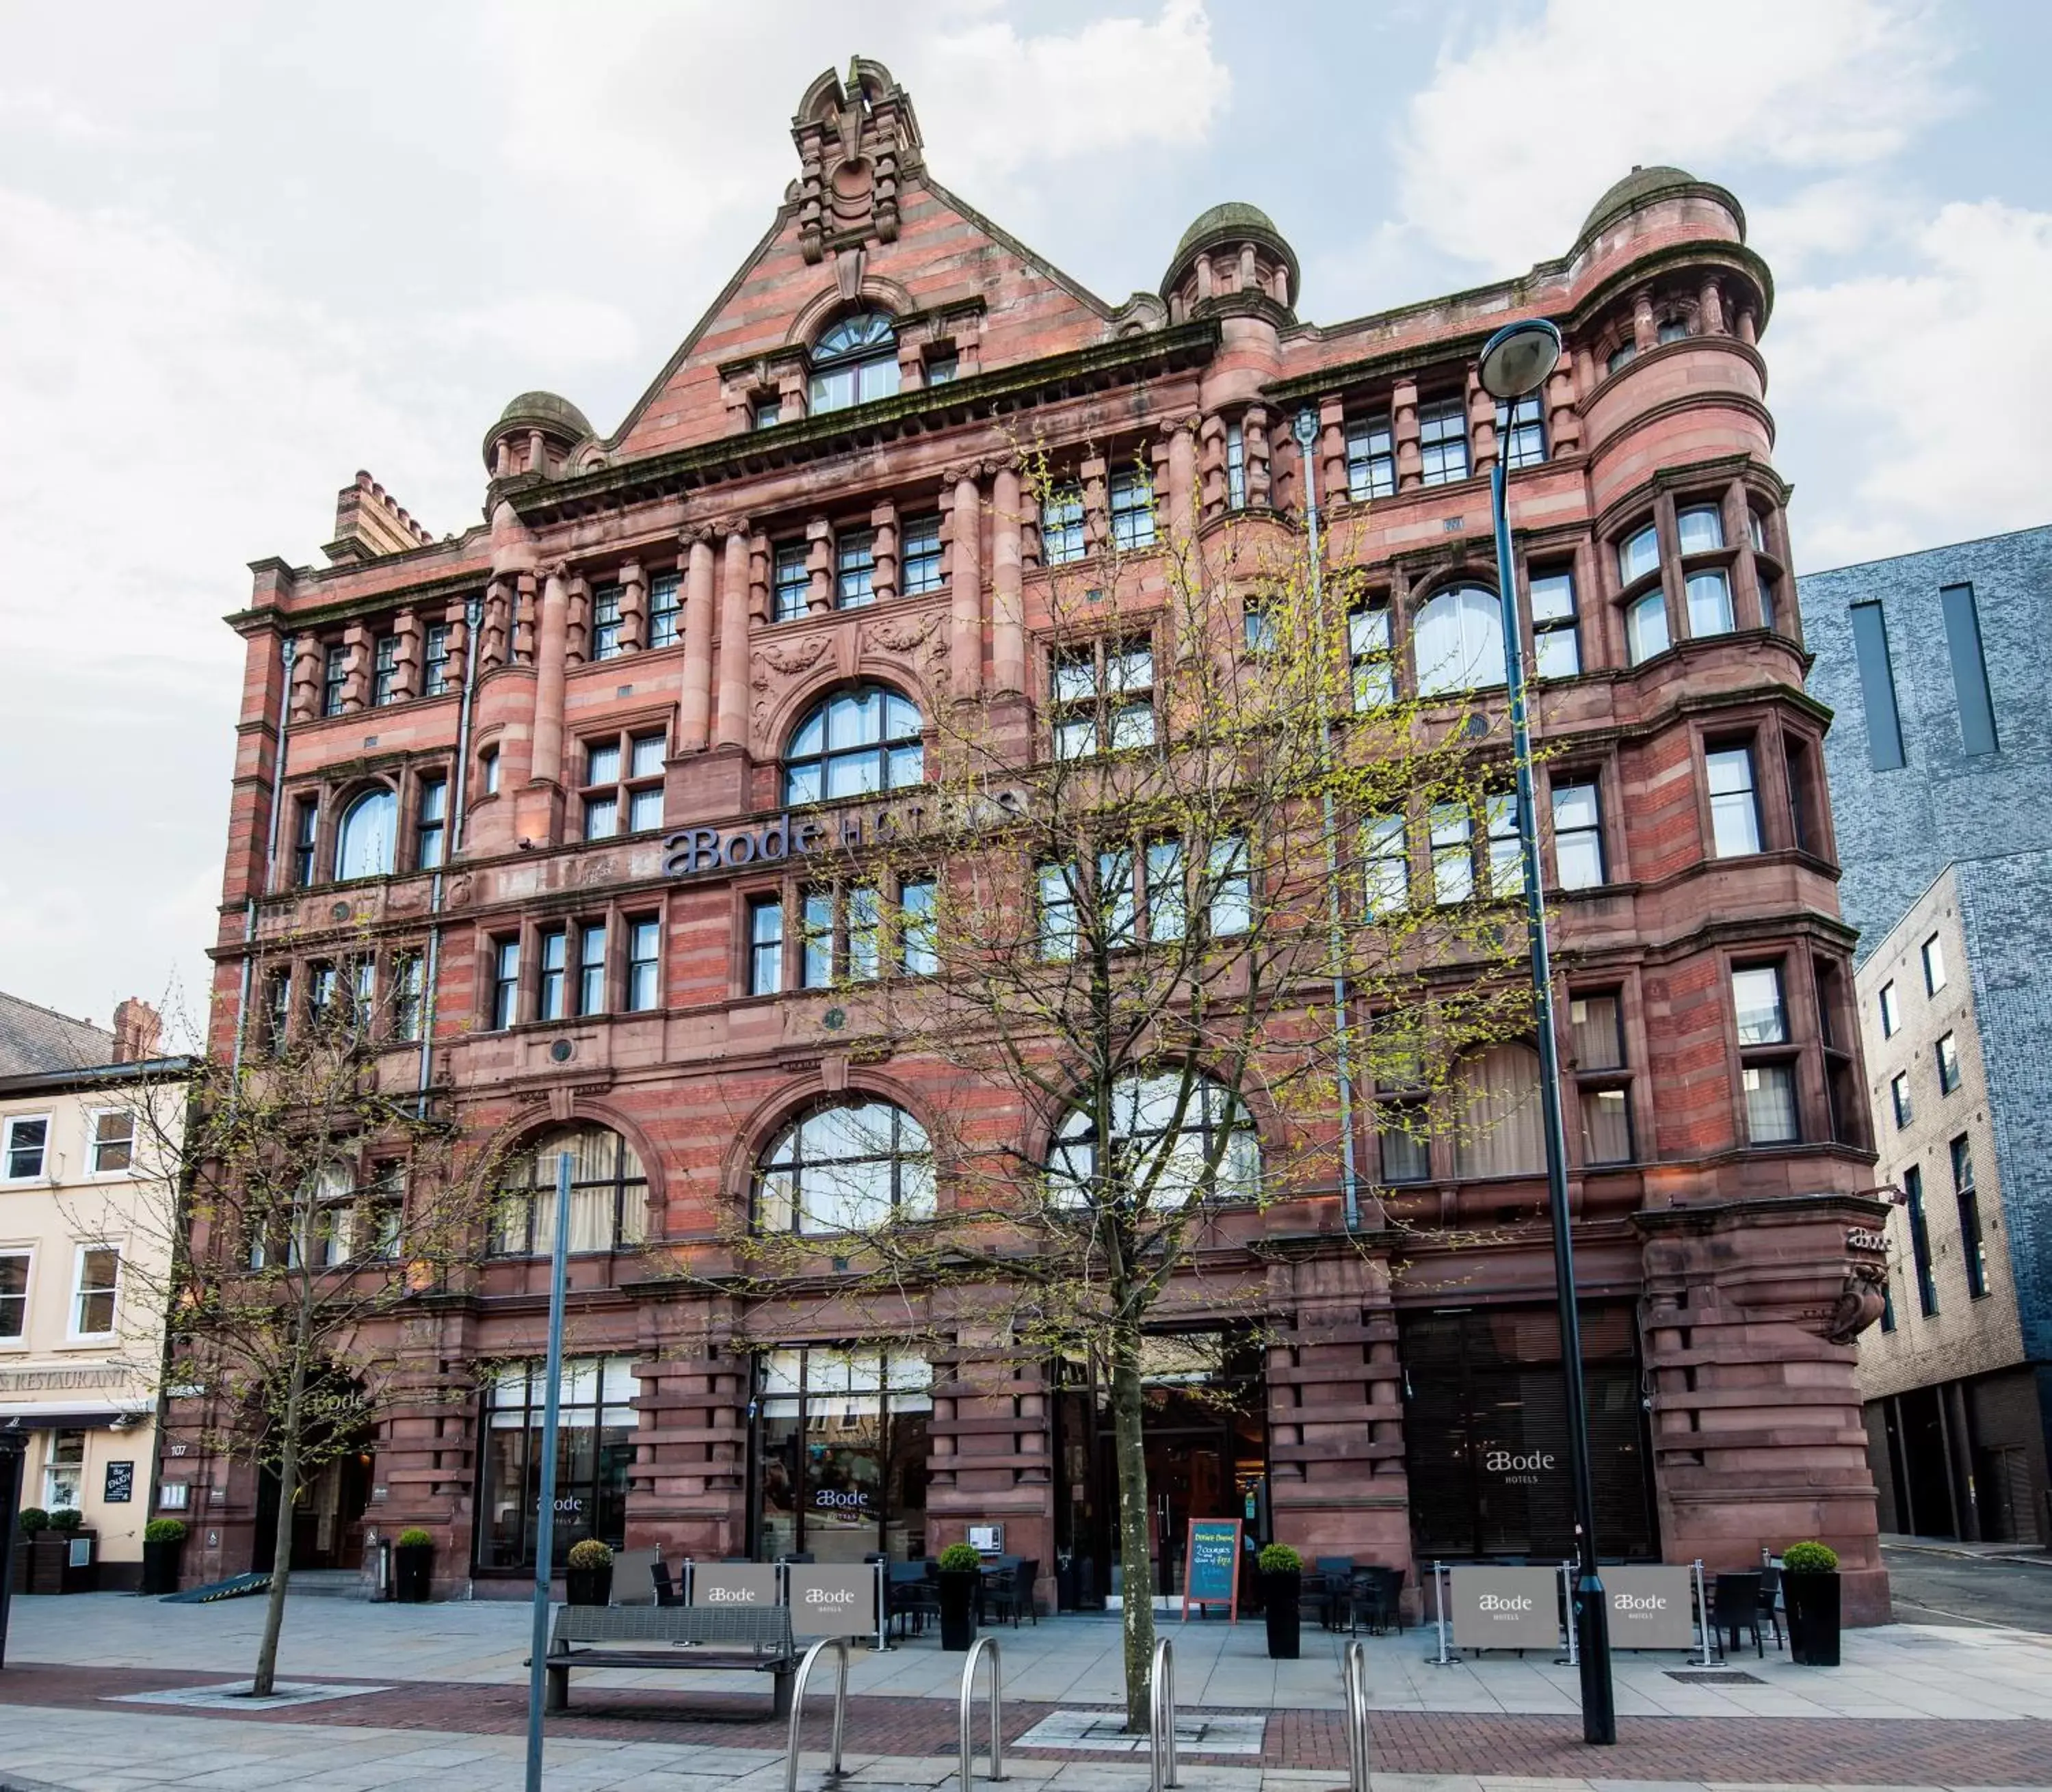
(310, 1200)
(1235, 876)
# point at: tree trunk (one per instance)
(1138, 1607)
(281, 1548)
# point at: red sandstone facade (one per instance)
(627, 588)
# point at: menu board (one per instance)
(120, 1487)
(1211, 1566)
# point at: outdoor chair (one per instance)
(1374, 1599)
(911, 1596)
(1335, 1580)
(666, 1593)
(1770, 1602)
(1012, 1593)
(1735, 1607)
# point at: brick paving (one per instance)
(1807, 1751)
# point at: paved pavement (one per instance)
(1947, 1583)
(1913, 1706)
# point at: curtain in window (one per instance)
(1502, 1127)
(364, 841)
(1458, 639)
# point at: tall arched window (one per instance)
(609, 1193)
(1144, 1126)
(363, 843)
(855, 743)
(852, 1166)
(1458, 639)
(855, 362)
(1502, 1124)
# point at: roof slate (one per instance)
(33, 1040)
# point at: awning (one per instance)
(86, 1417)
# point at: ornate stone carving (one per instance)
(855, 142)
(1858, 1305)
(786, 660)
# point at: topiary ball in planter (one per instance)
(163, 1543)
(587, 1574)
(1809, 1587)
(961, 1573)
(412, 1566)
(65, 1518)
(32, 1519)
(1281, 1589)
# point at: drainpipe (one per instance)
(270, 863)
(1305, 429)
(473, 616)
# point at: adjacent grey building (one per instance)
(1939, 667)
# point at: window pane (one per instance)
(26, 1141)
(364, 842)
(1578, 835)
(1457, 640)
(1701, 529)
(113, 1141)
(1453, 869)
(1387, 860)
(1593, 1024)
(1639, 554)
(1709, 603)
(1770, 1103)
(601, 817)
(1405, 1156)
(919, 945)
(1934, 964)
(648, 760)
(1168, 900)
(1890, 1016)
(645, 811)
(864, 924)
(1877, 677)
(816, 924)
(1756, 996)
(1646, 627)
(1507, 858)
(1552, 596)
(601, 765)
(1734, 815)
(1606, 1126)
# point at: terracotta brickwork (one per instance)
(675, 581)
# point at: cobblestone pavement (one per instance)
(41, 1702)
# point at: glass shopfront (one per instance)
(595, 1447)
(840, 1457)
(1485, 1436)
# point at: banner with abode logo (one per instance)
(832, 1602)
(734, 1585)
(1651, 1608)
(1504, 1608)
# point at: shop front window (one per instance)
(841, 1454)
(594, 1446)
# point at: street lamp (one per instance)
(1515, 363)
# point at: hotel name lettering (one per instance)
(691, 851)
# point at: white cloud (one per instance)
(1923, 391)
(1520, 131)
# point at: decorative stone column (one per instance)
(820, 566)
(1403, 433)
(496, 629)
(549, 662)
(1711, 310)
(1483, 446)
(731, 729)
(1182, 447)
(695, 709)
(965, 584)
(1747, 611)
(576, 625)
(306, 694)
(1006, 559)
(633, 607)
(883, 552)
(1645, 333)
(356, 676)
(1253, 439)
(1332, 452)
(406, 658)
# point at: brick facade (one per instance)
(1737, 1265)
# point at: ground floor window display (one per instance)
(594, 1449)
(841, 1454)
(1485, 1434)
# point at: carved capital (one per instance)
(730, 526)
(553, 569)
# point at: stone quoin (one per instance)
(576, 759)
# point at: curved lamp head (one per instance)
(1517, 359)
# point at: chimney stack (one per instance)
(137, 1029)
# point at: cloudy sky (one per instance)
(246, 249)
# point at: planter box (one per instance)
(1280, 1594)
(958, 1591)
(588, 1587)
(413, 1574)
(1813, 1618)
(160, 1567)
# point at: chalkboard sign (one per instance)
(120, 1483)
(1211, 1566)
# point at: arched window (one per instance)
(855, 362)
(855, 743)
(363, 843)
(1457, 637)
(1144, 1126)
(855, 1165)
(1502, 1126)
(608, 1194)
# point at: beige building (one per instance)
(1950, 1395)
(82, 1232)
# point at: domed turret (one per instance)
(1643, 186)
(1232, 252)
(533, 434)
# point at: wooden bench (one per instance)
(755, 1639)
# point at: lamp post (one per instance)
(1515, 363)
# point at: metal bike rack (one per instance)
(1353, 1681)
(997, 1710)
(1162, 1716)
(838, 1645)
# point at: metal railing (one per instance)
(997, 1710)
(838, 1645)
(1353, 1681)
(1162, 1716)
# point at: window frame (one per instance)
(790, 581)
(1891, 1010)
(1946, 1052)
(431, 824)
(643, 970)
(1477, 663)
(1591, 833)
(335, 680)
(1902, 1103)
(75, 1331)
(1919, 1240)
(96, 1144)
(1554, 626)
(1779, 1055)
(1599, 1080)
(607, 636)
(25, 1255)
(1746, 751)
(9, 1148)
(855, 362)
(1129, 501)
(666, 608)
(1102, 701)
(890, 752)
(1521, 431)
(435, 656)
(1967, 1202)
(1442, 442)
(1932, 954)
(385, 796)
(767, 1165)
(630, 786)
(923, 566)
(1064, 536)
(503, 986)
(620, 1235)
(384, 671)
(854, 568)
(1371, 457)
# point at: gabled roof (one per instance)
(34, 1039)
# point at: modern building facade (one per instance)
(497, 757)
(83, 1235)
(1934, 665)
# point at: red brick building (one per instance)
(751, 597)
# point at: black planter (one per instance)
(1813, 1618)
(413, 1571)
(588, 1587)
(958, 1589)
(160, 1567)
(1281, 1590)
